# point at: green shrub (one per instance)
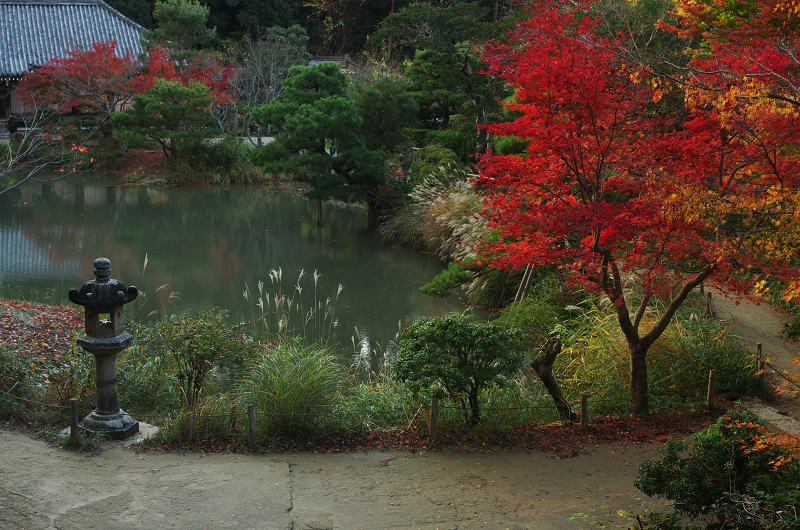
(509, 145)
(215, 162)
(461, 142)
(213, 419)
(292, 385)
(428, 162)
(373, 404)
(736, 475)
(457, 356)
(148, 382)
(196, 344)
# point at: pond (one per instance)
(193, 249)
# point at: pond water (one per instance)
(199, 248)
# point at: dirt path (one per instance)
(46, 487)
(763, 323)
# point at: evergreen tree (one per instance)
(181, 26)
(388, 111)
(171, 114)
(317, 130)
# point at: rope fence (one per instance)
(433, 411)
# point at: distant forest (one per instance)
(335, 27)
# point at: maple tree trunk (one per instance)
(639, 401)
(542, 364)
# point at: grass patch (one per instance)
(293, 387)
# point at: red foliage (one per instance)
(581, 195)
(749, 53)
(603, 193)
(95, 80)
(204, 67)
(38, 332)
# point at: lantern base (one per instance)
(116, 426)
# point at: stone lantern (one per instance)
(102, 299)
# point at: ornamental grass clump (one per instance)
(595, 359)
(293, 386)
(213, 419)
(286, 315)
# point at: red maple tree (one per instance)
(605, 194)
(97, 81)
(204, 67)
(94, 80)
(749, 52)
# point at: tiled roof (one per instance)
(35, 31)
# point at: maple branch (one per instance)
(642, 309)
(675, 303)
(772, 73)
(22, 163)
(615, 293)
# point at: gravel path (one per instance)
(118, 488)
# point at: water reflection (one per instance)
(203, 245)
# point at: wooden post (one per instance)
(709, 308)
(433, 421)
(712, 381)
(252, 438)
(761, 364)
(584, 411)
(702, 287)
(73, 421)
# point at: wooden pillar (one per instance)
(584, 411)
(252, 435)
(712, 382)
(433, 421)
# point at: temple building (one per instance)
(34, 31)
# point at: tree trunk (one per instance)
(639, 400)
(542, 364)
(474, 407)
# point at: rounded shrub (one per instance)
(457, 356)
